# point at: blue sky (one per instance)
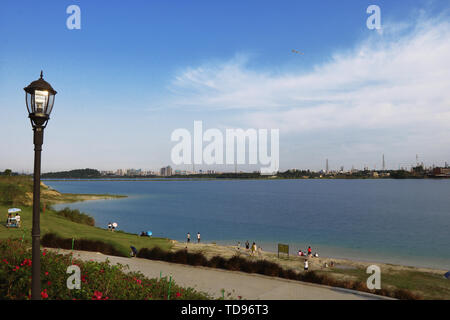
(137, 70)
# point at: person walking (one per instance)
(198, 237)
(188, 237)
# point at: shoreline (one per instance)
(295, 261)
(52, 196)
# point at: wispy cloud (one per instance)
(399, 78)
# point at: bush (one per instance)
(10, 194)
(51, 240)
(99, 281)
(76, 216)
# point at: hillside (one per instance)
(17, 192)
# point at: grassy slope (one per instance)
(428, 285)
(50, 222)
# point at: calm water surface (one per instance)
(396, 221)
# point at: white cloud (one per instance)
(385, 81)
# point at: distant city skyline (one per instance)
(136, 72)
(168, 170)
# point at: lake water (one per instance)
(394, 221)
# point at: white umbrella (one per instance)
(14, 210)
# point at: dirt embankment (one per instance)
(51, 196)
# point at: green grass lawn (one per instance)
(428, 285)
(50, 222)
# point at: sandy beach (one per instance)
(292, 262)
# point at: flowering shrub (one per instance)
(99, 281)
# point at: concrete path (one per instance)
(212, 281)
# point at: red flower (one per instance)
(44, 253)
(16, 268)
(49, 283)
(5, 261)
(44, 294)
(97, 295)
(178, 294)
(46, 273)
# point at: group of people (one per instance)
(13, 220)
(308, 253)
(188, 237)
(112, 226)
(252, 250)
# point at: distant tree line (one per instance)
(73, 174)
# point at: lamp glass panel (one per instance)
(51, 101)
(29, 102)
(40, 100)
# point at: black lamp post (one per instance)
(39, 97)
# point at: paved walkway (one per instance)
(212, 281)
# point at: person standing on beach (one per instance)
(253, 248)
(198, 237)
(309, 251)
(306, 265)
(188, 237)
(110, 226)
(247, 245)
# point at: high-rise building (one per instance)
(166, 171)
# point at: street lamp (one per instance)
(39, 96)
